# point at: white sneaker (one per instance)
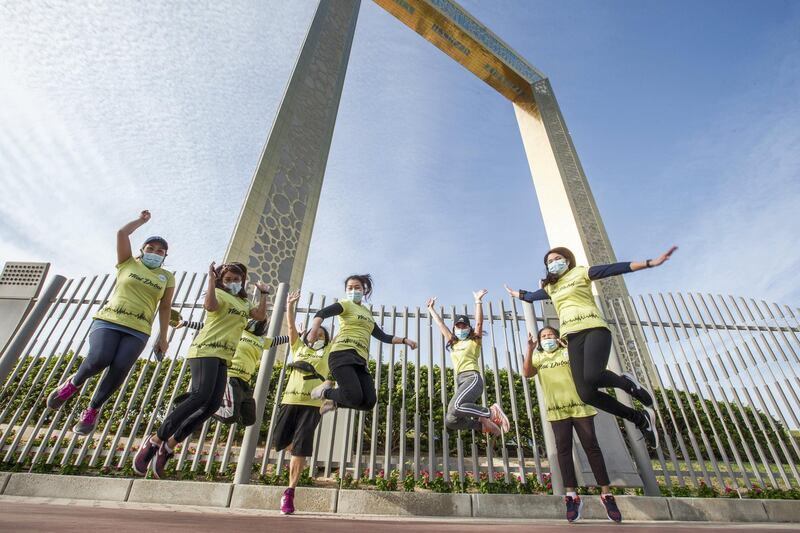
(327, 406)
(319, 390)
(499, 417)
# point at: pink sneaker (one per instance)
(287, 502)
(88, 421)
(64, 392)
(499, 417)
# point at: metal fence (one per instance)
(725, 377)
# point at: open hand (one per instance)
(479, 295)
(532, 342)
(293, 297)
(660, 260)
(212, 272)
(430, 303)
(262, 287)
(511, 292)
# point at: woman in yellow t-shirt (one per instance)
(299, 415)
(565, 412)
(588, 338)
(350, 349)
(209, 355)
(464, 341)
(121, 329)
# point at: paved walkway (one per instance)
(47, 514)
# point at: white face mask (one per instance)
(234, 287)
(355, 296)
(462, 334)
(318, 344)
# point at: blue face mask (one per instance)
(557, 267)
(152, 260)
(462, 334)
(234, 287)
(549, 345)
(355, 296)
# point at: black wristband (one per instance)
(647, 263)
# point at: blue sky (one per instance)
(685, 116)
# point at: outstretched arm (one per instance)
(291, 314)
(528, 296)
(446, 333)
(382, 336)
(124, 236)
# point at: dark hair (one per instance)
(257, 327)
(567, 254)
(539, 336)
(324, 333)
(158, 239)
(473, 336)
(365, 280)
(238, 269)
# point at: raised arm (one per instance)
(446, 333)
(210, 302)
(291, 314)
(124, 236)
(260, 312)
(479, 311)
(528, 370)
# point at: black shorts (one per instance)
(244, 405)
(295, 425)
(344, 358)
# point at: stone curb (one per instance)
(181, 492)
(403, 503)
(308, 499)
(76, 487)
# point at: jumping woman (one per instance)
(350, 349)
(121, 329)
(565, 412)
(209, 355)
(588, 336)
(465, 343)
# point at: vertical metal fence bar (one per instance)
(512, 392)
(389, 433)
(498, 391)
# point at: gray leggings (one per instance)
(112, 349)
(462, 411)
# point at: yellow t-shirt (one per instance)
(355, 329)
(558, 387)
(298, 390)
(574, 302)
(248, 356)
(223, 328)
(136, 295)
(466, 356)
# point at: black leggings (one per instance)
(209, 378)
(355, 386)
(112, 349)
(584, 427)
(588, 357)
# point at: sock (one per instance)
(572, 494)
(166, 447)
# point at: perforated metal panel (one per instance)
(22, 280)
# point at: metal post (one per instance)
(244, 466)
(15, 348)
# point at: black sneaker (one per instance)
(612, 511)
(574, 508)
(639, 392)
(141, 461)
(648, 429)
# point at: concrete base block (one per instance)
(517, 506)
(75, 487)
(631, 507)
(306, 499)
(782, 510)
(181, 492)
(373, 502)
(717, 510)
(4, 477)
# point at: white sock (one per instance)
(166, 447)
(572, 494)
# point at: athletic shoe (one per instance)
(162, 458)
(143, 458)
(649, 430)
(88, 421)
(499, 417)
(612, 511)
(639, 392)
(574, 508)
(318, 391)
(487, 426)
(64, 392)
(287, 502)
(327, 406)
